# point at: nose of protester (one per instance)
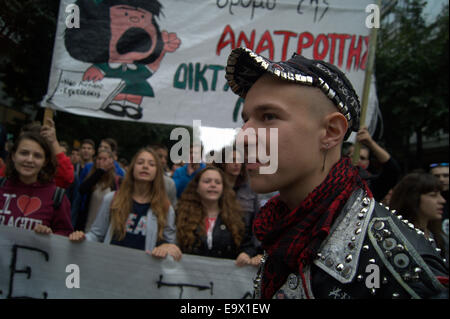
(441, 200)
(443, 178)
(247, 137)
(105, 163)
(145, 171)
(233, 168)
(28, 160)
(210, 186)
(432, 205)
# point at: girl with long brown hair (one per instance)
(210, 221)
(139, 214)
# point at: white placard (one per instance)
(40, 266)
(188, 80)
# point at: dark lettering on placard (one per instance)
(27, 271)
(316, 8)
(181, 285)
(254, 4)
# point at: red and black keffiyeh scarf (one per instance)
(292, 238)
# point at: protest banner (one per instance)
(50, 266)
(164, 61)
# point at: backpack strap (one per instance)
(58, 197)
(2, 181)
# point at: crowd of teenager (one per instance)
(88, 193)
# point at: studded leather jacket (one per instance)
(371, 252)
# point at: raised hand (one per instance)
(171, 41)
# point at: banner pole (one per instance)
(366, 88)
(48, 114)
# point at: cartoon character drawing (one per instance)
(123, 40)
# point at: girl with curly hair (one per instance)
(139, 214)
(210, 221)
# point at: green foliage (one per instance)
(412, 73)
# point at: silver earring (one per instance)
(325, 157)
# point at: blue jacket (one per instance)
(88, 166)
(182, 179)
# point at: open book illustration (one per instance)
(72, 92)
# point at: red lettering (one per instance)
(364, 57)
(309, 41)
(262, 46)
(287, 35)
(322, 45)
(222, 42)
(333, 37)
(354, 52)
(342, 38)
(320, 56)
(243, 38)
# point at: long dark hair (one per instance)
(406, 200)
(47, 172)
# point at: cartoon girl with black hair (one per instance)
(122, 39)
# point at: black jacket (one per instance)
(371, 252)
(223, 245)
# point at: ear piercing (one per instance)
(325, 157)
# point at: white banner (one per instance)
(39, 266)
(132, 60)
